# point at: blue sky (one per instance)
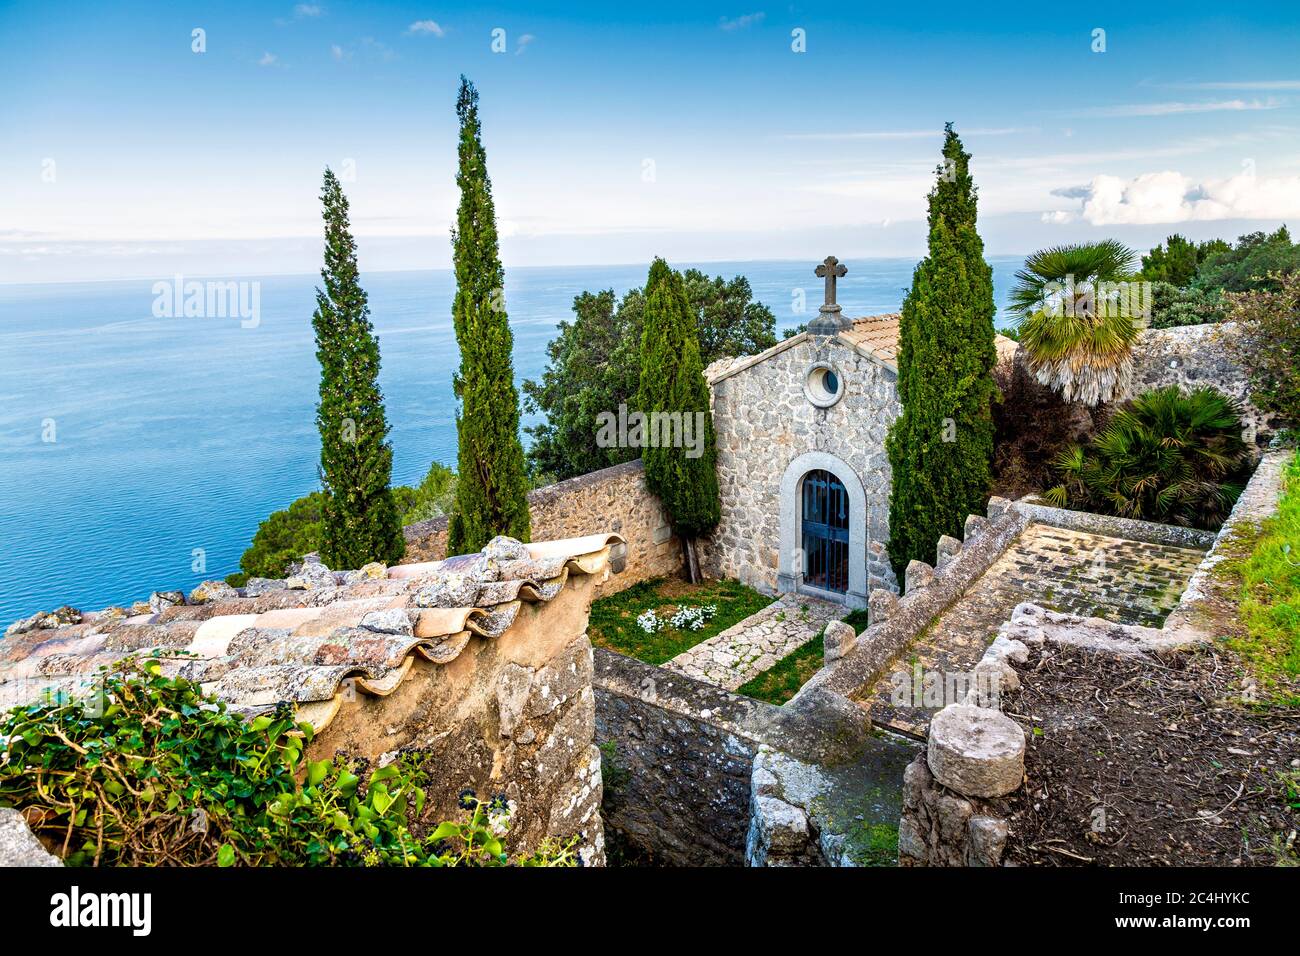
(617, 132)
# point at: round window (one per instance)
(823, 386)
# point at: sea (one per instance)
(139, 448)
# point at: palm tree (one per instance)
(1077, 324)
(1166, 456)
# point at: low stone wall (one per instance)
(1194, 356)
(679, 753)
(610, 500)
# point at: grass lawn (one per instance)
(781, 682)
(1270, 596)
(613, 619)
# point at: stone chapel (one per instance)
(802, 468)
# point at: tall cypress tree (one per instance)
(941, 447)
(360, 519)
(492, 492)
(672, 380)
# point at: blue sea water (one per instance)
(177, 435)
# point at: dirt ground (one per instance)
(1154, 762)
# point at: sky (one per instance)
(132, 146)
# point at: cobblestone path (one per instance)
(751, 646)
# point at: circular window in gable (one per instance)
(823, 385)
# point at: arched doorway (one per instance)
(825, 525)
(823, 530)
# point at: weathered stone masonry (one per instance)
(610, 500)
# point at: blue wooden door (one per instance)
(825, 532)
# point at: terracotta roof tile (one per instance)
(298, 645)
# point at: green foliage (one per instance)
(594, 365)
(285, 537)
(941, 446)
(158, 773)
(1256, 262)
(1174, 262)
(1166, 456)
(612, 623)
(1172, 306)
(1077, 337)
(433, 497)
(1269, 344)
(358, 517)
(1270, 597)
(492, 494)
(672, 380)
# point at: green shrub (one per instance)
(283, 538)
(1166, 456)
(158, 773)
(433, 497)
(1172, 307)
(1255, 262)
(1269, 345)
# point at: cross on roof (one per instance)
(830, 270)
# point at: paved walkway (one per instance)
(749, 647)
(1093, 575)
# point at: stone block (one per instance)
(882, 605)
(976, 751)
(917, 575)
(838, 640)
(947, 549)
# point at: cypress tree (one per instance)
(941, 447)
(672, 380)
(360, 520)
(492, 492)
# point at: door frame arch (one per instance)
(790, 568)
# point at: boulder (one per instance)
(976, 751)
(19, 846)
(212, 591)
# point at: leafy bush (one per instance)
(1033, 425)
(1255, 262)
(1166, 456)
(1173, 262)
(1172, 306)
(161, 774)
(593, 365)
(283, 538)
(433, 497)
(1269, 345)
(287, 535)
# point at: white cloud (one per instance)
(425, 28)
(307, 10)
(1058, 218)
(524, 42)
(269, 59)
(1169, 196)
(739, 23)
(1174, 109)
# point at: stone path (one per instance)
(749, 647)
(1130, 582)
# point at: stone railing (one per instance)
(854, 662)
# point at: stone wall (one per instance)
(1193, 356)
(610, 500)
(679, 755)
(512, 715)
(764, 421)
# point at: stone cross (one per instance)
(830, 270)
